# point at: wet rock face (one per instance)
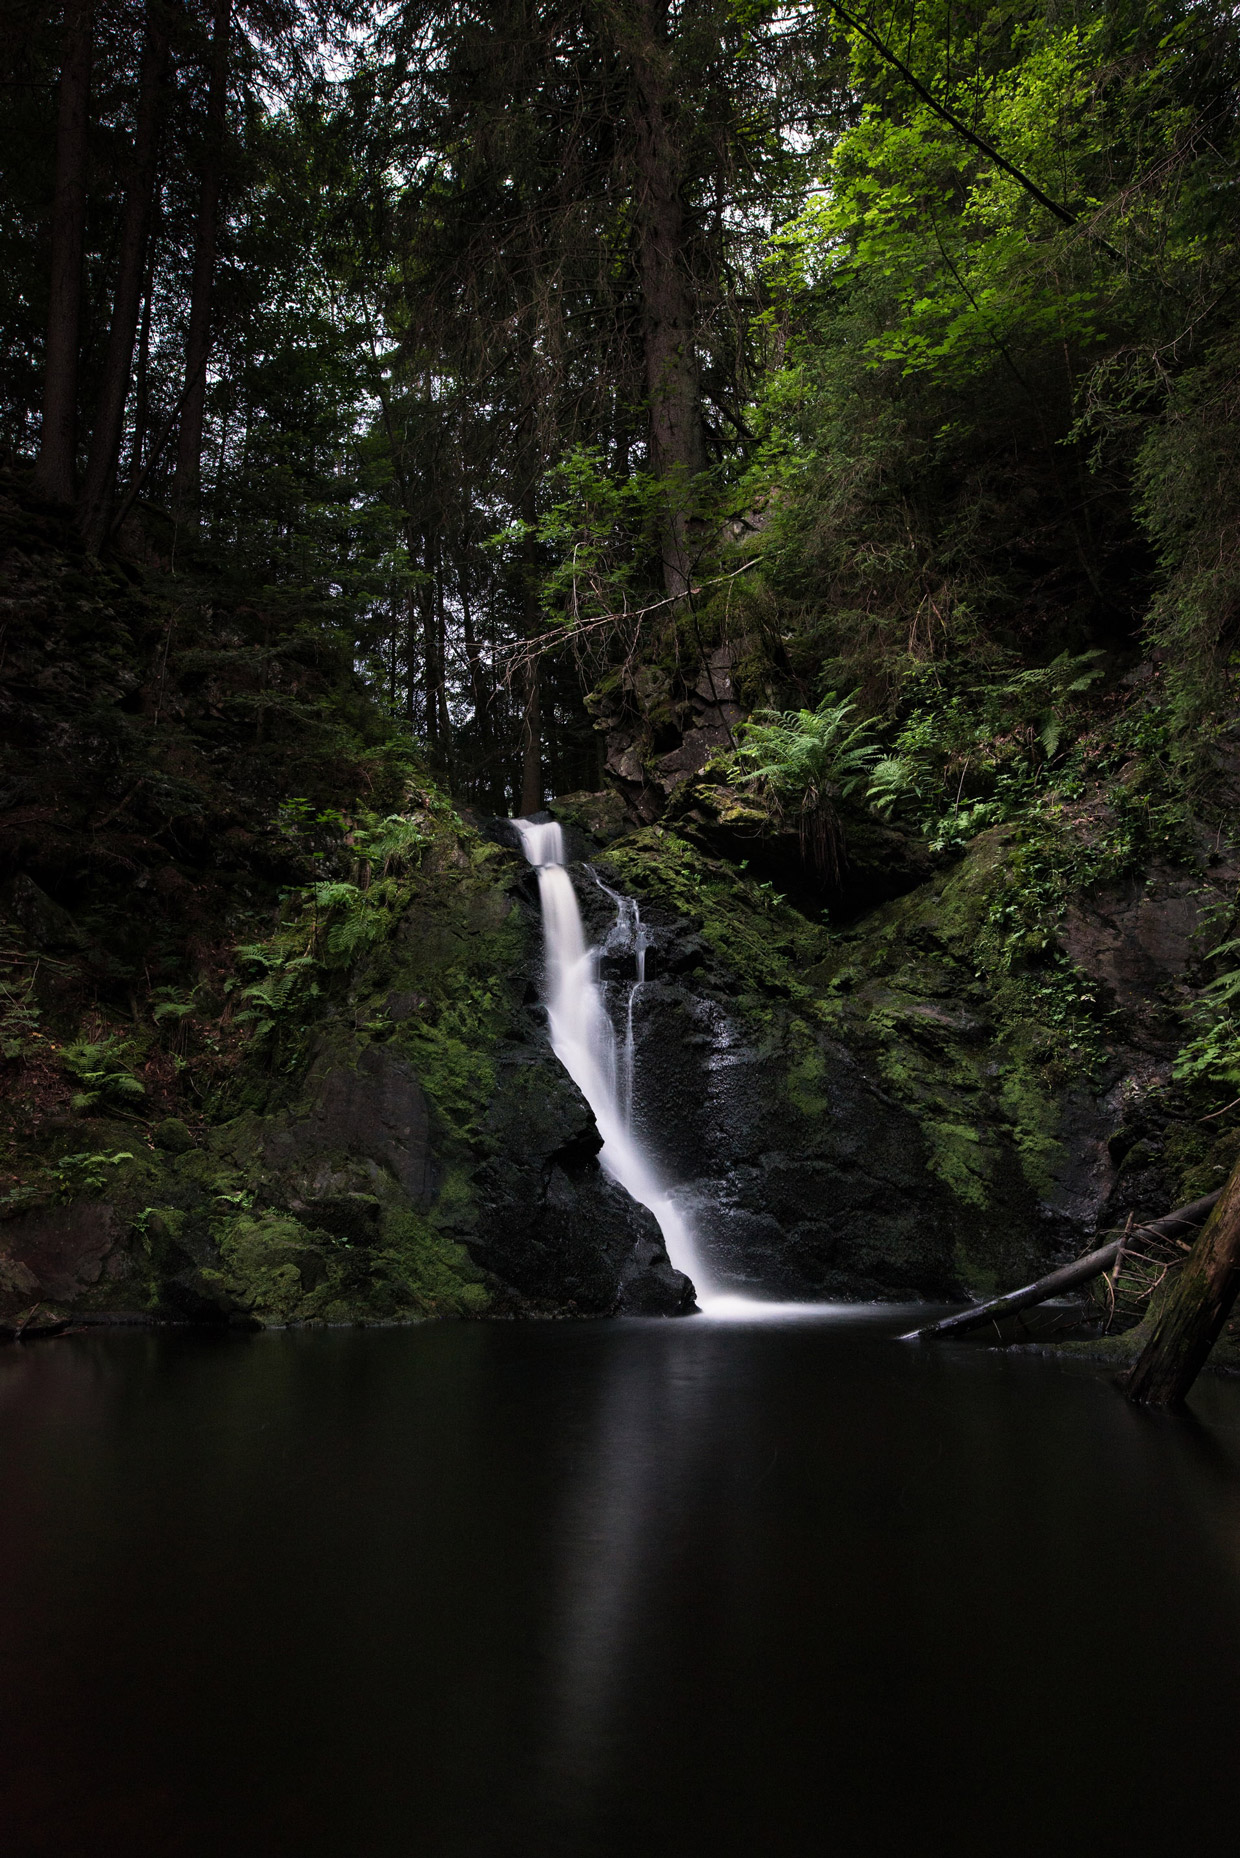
(802, 1177)
(549, 1222)
(1139, 937)
(847, 1130)
(373, 1112)
(58, 1253)
(827, 1198)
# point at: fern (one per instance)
(395, 844)
(893, 778)
(801, 760)
(803, 756)
(1212, 1055)
(100, 1067)
(278, 994)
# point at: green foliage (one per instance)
(801, 761)
(802, 757)
(283, 995)
(282, 1271)
(19, 1013)
(396, 843)
(1211, 1054)
(102, 1067)
(979, 407)
(84, 1173)
(601, 534)
(1188, 491)
(976, 742)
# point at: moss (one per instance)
(433, 1270)
(976, 1279)
(173, 1136)
(1200, 1157)
(957, 1154)
(602, 815)
(916, 991)
(747, 925)
(806, 1074)
(281, 1271)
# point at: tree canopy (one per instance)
(489, 338)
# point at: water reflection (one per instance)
(711, 1587)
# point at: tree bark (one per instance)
(531, 695)
(473, 656)
(531, 739)
(105, 442)
(430, 683)
(54, 471)
(1068, 1276)
(142, 377)
(668, 308)
(1196, 1308)
(412, 627)
(441, 669)
(198, 342)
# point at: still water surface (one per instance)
(610, 1588)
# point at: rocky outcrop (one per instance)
(59, 1254)
(548, 1220)
(871, 1112)
(416, 1150)
(373, 1112)
(661, 723)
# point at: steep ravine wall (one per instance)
(848, 1113)
(412, 1147)
(870, 1111)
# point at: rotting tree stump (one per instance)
(1195, 1309)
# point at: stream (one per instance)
(611, 1588)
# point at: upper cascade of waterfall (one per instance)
(584, 1040)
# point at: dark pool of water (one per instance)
(595, 1589)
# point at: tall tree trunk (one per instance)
(441, 669)
(142, 382)
(198, 342)
(531, 738)
(473, 657)
(411, 659)
(105, 442)
(668, 320)
(1197, 1306)
(430, 716)
(54, 471)
(531, 702)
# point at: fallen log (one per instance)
(1194, 1311)
(1068, 1276)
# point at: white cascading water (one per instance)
(583, 1040)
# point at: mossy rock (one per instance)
(172, 1136)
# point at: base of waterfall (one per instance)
(724, 1308)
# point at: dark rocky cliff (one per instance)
(846, 1113)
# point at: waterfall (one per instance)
(584, 1041)
(627, 933)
